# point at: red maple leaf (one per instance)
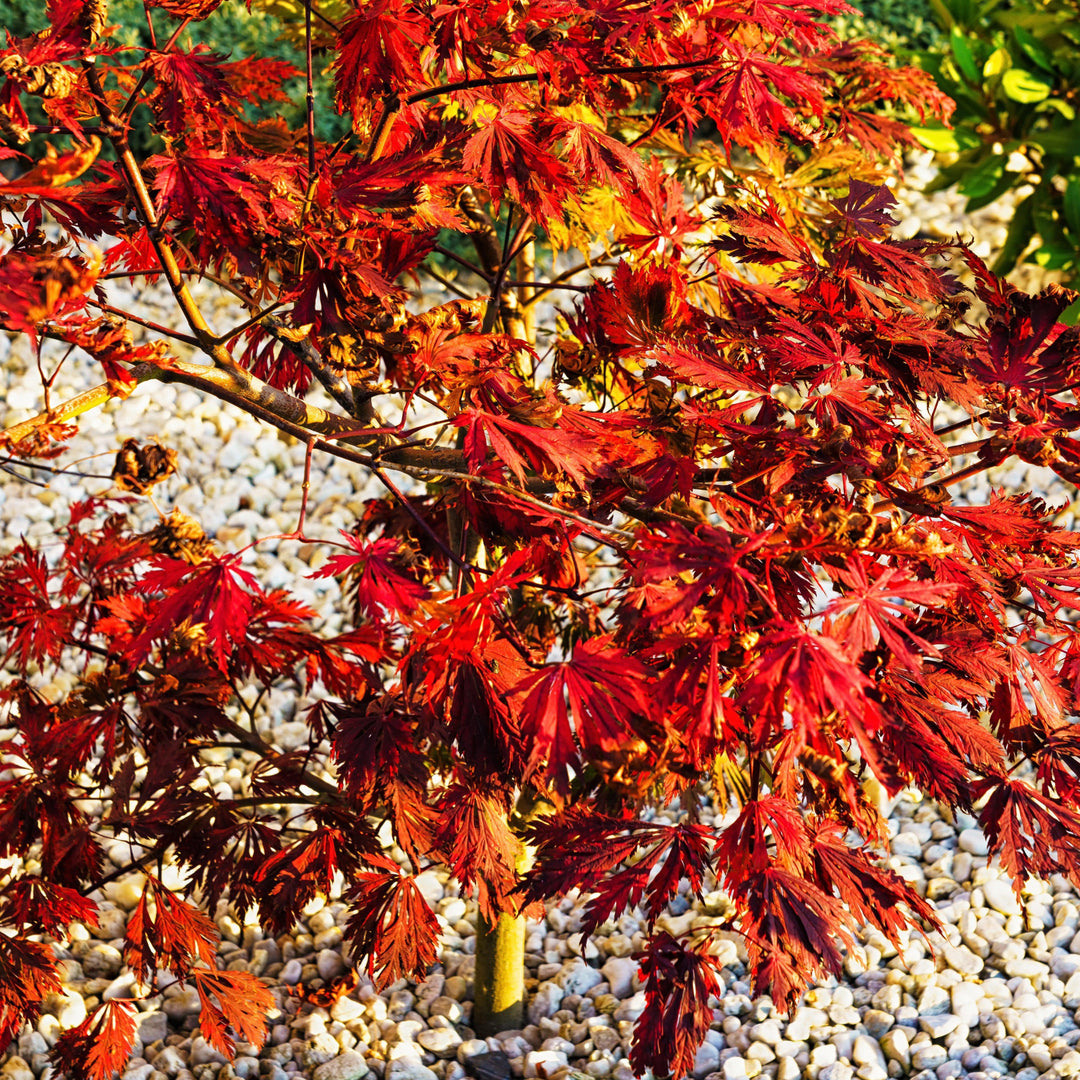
(101, 1045)
(378, 586)
(872, 608)
(679, 981)
(216, 595)
(392, 925)
(170, 934)
(236, 1000)
(600, 686)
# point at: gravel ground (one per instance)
(996, 994)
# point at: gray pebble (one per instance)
(347, 1066)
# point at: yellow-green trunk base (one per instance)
(499, 996)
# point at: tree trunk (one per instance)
(499, 980)
(499, 998)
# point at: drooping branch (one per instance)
(115, 128)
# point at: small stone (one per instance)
(768, 1032)
(787, 1069)
(894, 1044)
(153, 1026)
(427, 882)
(933, 1001)
(409, 1069)
(203, 1053)
(291, 972)
(1069, 1063)
(330, 964)
(127, 892)
(169, 1061)
(877, 1022)
(630, 1009)
(123, 986)
(1025, 968)
(548, 997)
(544, 1063)
(185, 1002)
(973, 842)
(347, 1009)
(102, 962)
(928, 1056)
(442, 1042)
(866, 1051)
(68, 1008)
(960, 958)
(734, 1068)
(448, 1007)
(906, 844)
(576, 977)
(1000, 896)
(837, 1071)
(938, 1026)
(707, 1060)
(347, 1066)
(619, 972)
(1039, 1055)
(322, 1048)
(806, 1019)
(493, 1065)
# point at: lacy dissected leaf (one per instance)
(866, 209)
(379, 51)
(768, 831)
(36, 906)
(505, 155)
(288, 881)
(793, 932)
(600, 687)
(215, 595)
(679, 981)
(481, 850)
(1024, 348)
(236, 1001)
(34, 625)
(1031, 833)
(378, 586)
(191, 88)
(392, 925)
(873, 894)
(101, 1045)
(27, 976)
(165, 931)
(548, 451)
(873, 609)
(810, 677)
(578, 850)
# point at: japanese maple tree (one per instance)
(668, 496)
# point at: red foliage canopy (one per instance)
(696, 538)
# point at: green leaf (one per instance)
(1034, 49)
(1071, 204)
(1058, 105)
(997, 62)
(984, 177)
(962, 52)
(939, 139)
(1021, 229)
(1025, 86)
(1003, 183)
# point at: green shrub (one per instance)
(902, 26)
(1013, 68)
